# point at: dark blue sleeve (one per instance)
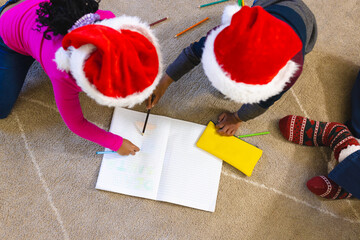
(189, 58)
(354, 123)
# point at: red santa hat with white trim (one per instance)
(248, 57)
(114, 61)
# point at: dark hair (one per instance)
(59, 15)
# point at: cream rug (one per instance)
(48, 174)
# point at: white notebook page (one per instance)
(137, 175)
(169, 167)
(190, 176)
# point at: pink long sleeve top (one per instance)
(18, 30)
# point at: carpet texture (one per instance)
(48, 174)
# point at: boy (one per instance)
(253, 58)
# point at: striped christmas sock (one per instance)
(308, 132)
(327, 188)
(337, 136)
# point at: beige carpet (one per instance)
(48, 174)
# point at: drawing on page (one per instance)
(149, 127)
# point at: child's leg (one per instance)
(354, 123)
(13, 70)
(337, 136)
(324, 187)
(308, 132)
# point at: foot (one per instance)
(326, 188)
(308, 132)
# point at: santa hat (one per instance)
(248, 58)
(115, 61)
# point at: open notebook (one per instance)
(169, 166)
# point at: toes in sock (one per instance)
(326, 188)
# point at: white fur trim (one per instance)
(348, 151)
(241, 92)
(77, 58)
(229, 11)
(62, 59)
(131, 23)
(77, 61)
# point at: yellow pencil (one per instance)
(242, 3)
(191, 27)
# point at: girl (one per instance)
(116, 68)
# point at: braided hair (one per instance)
(59, 15)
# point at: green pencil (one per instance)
(208, 4)
(253, 134)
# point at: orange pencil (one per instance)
(191, 27)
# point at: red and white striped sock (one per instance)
(326, 188)
(308, 132)
(337, 136)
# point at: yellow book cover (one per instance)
(232, 150)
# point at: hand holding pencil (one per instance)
(127, 148)
(159, 91)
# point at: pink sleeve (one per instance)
(68, 103)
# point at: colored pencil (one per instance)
(191, 27)
(212, 3)
(147, 115)
(146, 119)
(242, 3)
(253, 134)
(159, 21)
(105, 152)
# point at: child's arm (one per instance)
(189, 58)
(228, 125)
(228, 122)
(67, 101)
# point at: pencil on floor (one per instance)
(212, 3)
(191, 27)
(252, 134)
(159, 21)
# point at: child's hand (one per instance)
(127, 148)
(164, 83)
(228, 123)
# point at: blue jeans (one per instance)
(346, 174)
(354, 123)
(13, 70)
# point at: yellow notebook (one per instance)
(232, 150)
